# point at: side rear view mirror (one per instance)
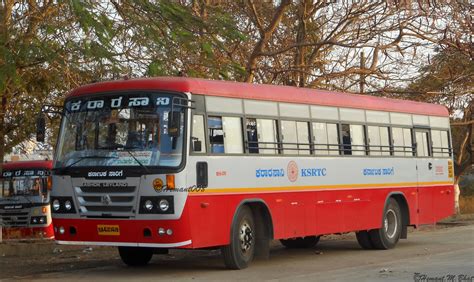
(40, 127)
(174, 123)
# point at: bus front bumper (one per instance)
(133, 233)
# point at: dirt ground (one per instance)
(46, 260)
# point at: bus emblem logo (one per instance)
(106, 200)
(292, 171)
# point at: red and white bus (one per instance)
(159, 163)
(24, 200)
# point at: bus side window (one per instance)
(358, 139)
(198, 137)
(436, 148)
(445, 144)
(326, 138)
(402, 144)
(267, 136)
(216, 134)
(346, 139)
(252, 135)
(422, 141)
(374, 140)
(233, 141)
(289, 137)
(379, 141)
(303, 138)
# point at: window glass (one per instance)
(445, 143)
(198, 133)
(398, 141)
(422, 144)
(436, 143)
(267, 136)
(385, 141)
(303, 138)
(407, 141)
(320, 138)
(233, 142)
(333, 138)
(346, 139)
(216, 134)
(252, 135)
(374, 140)
(357, 139)
(289, 137)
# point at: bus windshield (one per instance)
(119, 130)
(21, 186)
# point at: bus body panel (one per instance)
(305, 194)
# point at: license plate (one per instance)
(108, 230)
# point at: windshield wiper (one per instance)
(83, 158)
(139, 163)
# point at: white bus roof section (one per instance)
(421, 120)
(294, 110)
(377, 117)
(263, 108)
(352, 115)
(400, 119)
(324, 113)
(224, 105)
(439, 122)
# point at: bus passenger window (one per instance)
(267, 136)
(402, 144)
(252, 135)
(198, 137)
(233, 141)
(379, 141)
(289, 137)
(346, 139)
(358, 140)
(440, 142)
(374, 140)
(445, 144)
(303, 138)
(422, 141)
(216, 134)
(436, 143)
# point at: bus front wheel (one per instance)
(301, 242)
(241, 250)
(388, 235)
(135, 256)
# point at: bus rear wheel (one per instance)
(241, 250)
(301, 242)
(388, 235)
(135, 256)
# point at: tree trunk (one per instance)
(457, 193)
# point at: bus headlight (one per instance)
(68, 205)
(56, 205)
(156, 205)
(148, 205)
(164, 205)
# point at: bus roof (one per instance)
(44, 164)
(288, 94)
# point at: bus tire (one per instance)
(388, 235)
(363, 238)
(301, 242)
(135, 256)
(241, 250)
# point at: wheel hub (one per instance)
(390, 223)
(246, 237)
